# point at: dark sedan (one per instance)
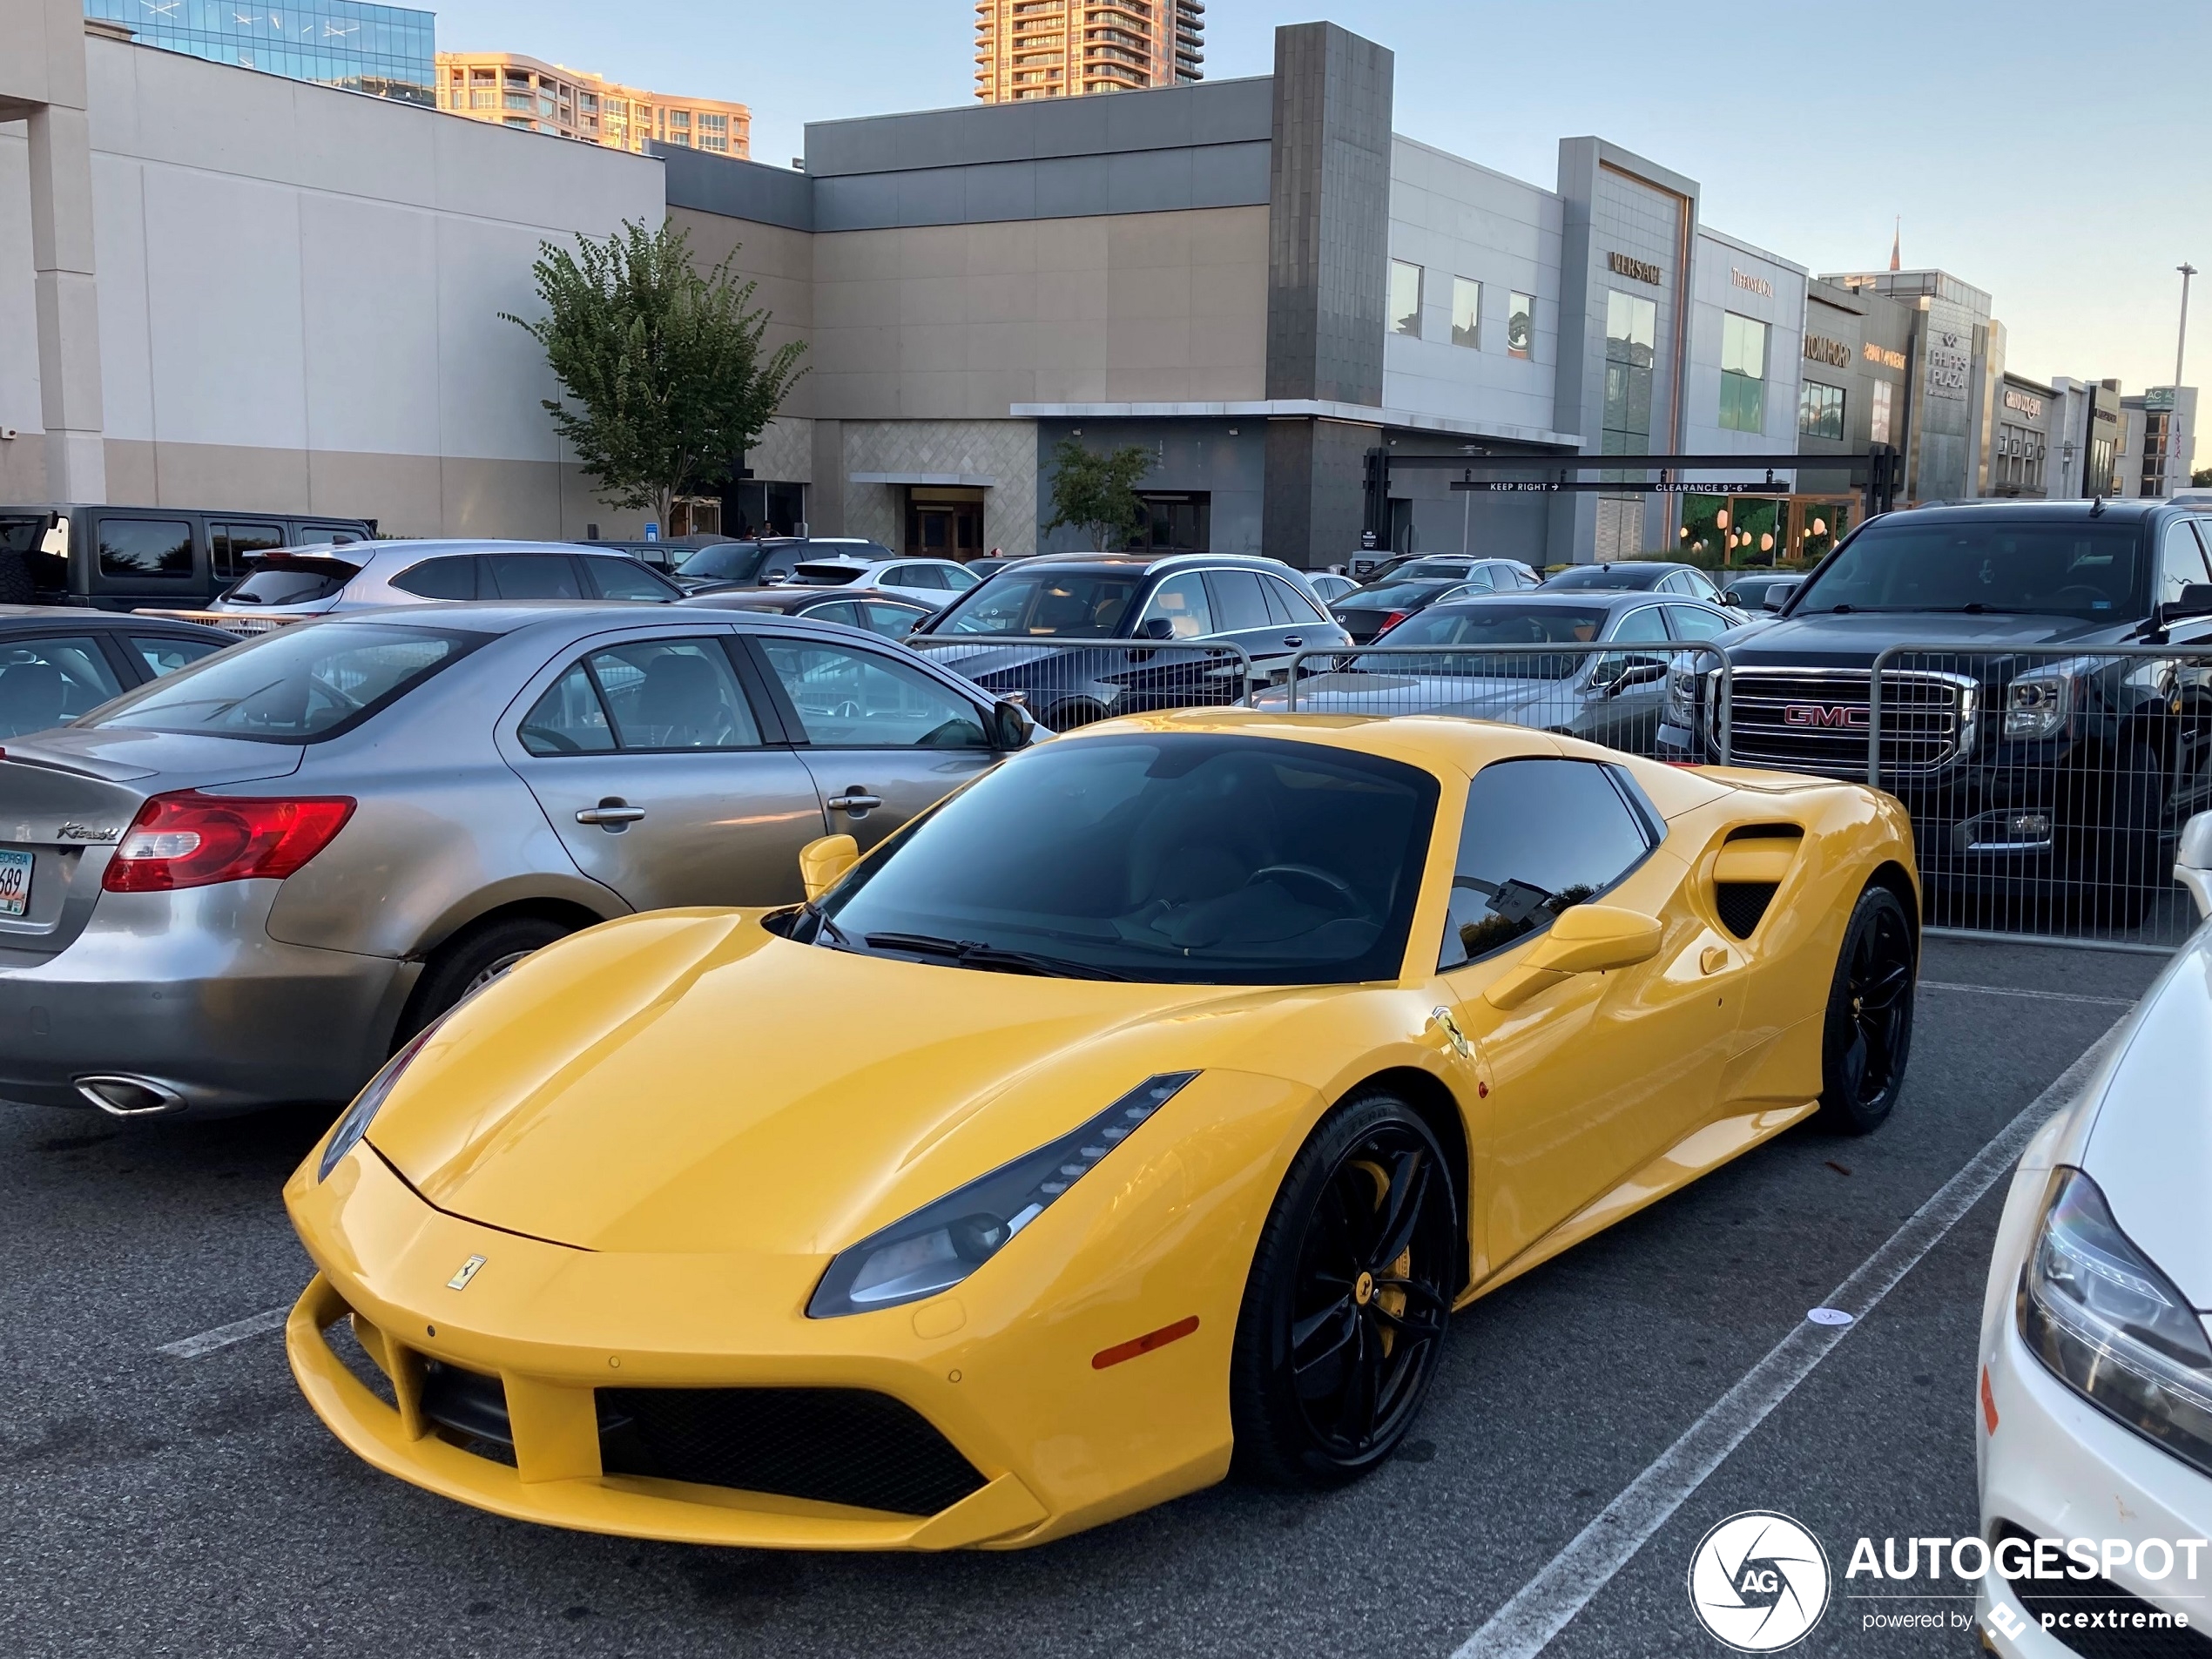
(1368, 612)
(879, 613)
(57, 662)
(1636, 576)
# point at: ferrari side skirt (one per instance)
(1694, 1154)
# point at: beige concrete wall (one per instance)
(961, 321)
(1004, 450)
(781, 263)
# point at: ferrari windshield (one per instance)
(2073, 567)
(1073, 605)
(1186, 858)
(1494, 626)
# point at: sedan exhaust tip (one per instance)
(124, 1096)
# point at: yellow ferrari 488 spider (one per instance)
(1140, 1112)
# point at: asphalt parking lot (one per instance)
(151, 1503)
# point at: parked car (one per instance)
(1329, 587)
(739, 564)
(246, 882)
(1608, 697)
(122, 558)
(2096, 1366)
(1157, 1098)
(879, 613)
(57, 662)
(2036, 769)
(1193, 599)
(992, 566)
(1751, 591)
(1636, 576)
(664, 556)
(1368, 613)
(932, 581)
(300, 583)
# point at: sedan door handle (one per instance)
(853, 800)
(612, 811)
(1294, 639)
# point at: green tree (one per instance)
(2201, 478)
(664, 378)
(1096, 494)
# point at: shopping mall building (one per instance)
(256, 293)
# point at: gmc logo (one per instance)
(1836, 714)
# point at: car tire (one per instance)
(1866, 1035)
(1080, 711)
(1325, 1409)
(471, 960)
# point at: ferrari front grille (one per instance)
(849, 1445)
(468, 1403)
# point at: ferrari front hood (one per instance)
(687, 1082)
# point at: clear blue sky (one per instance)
(2052, 154)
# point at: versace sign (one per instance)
(1642, 270)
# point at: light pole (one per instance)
(2181, 334)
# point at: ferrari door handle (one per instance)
(853, 800)
(610, 812)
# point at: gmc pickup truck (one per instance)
(2046, 746)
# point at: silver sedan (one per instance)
(249, 881)
(1500, 659)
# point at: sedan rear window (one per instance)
(725, 562)
(301, 684)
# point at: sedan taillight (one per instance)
(1390, 621)
(188, 840)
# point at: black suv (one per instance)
(1197, 601)
(2034, 765)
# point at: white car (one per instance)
(2094, 1418)
(935, 583)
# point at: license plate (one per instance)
(15, 883)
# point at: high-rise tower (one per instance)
(1066, 48)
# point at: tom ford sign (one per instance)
(1640, 270)
(1820, 349)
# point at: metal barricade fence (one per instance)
(1067, 683)
(2047, 785)
(1614, 693)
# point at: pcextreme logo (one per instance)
(1758, 1581)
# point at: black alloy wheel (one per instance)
(1868, 1032)
(1348, 1301)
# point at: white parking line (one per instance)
(222, 1336)
(2040, 996)
(1542, 1606)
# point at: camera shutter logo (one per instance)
(1758, 1581)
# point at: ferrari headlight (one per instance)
(2109, 1325)
(942, 1243)
(2037, 704)
(354, 1123)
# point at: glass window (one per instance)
(1820, 410)
(724, 561)
(1404, 297)
(44, 681)
(532, 576)
(1879, 398)
(930, 576)
(289, 581)
(626, 579)
(1641, 627)
(1180, 858)
(1079, 605)
(856, 699)
(1631, 329)
(1541, 836)
(843, 611)
(2180, 563)
(1238, 602)
(568, 719)
(1692, 624)
(146, 546)
(1466, 312)
(1742, 374)
(958, 578)
(674, 694)
(1286, 604)
(439, 579)
(232, 546)
(163, 655)
(1520, 326)
(1908, 562)
(892, 621)
(1182, 600)
(294, 686)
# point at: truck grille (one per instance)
(1816, 720)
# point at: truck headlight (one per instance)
(942, 1243)
(1681, 694)
(2110, 1326)
(2038, 705)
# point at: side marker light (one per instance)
(1143, 1345)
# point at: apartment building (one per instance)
(351, 44)
(511, 90)
(1027, 49)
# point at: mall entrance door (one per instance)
(943, 522)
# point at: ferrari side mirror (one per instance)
(1587, 939)
(824, 861)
